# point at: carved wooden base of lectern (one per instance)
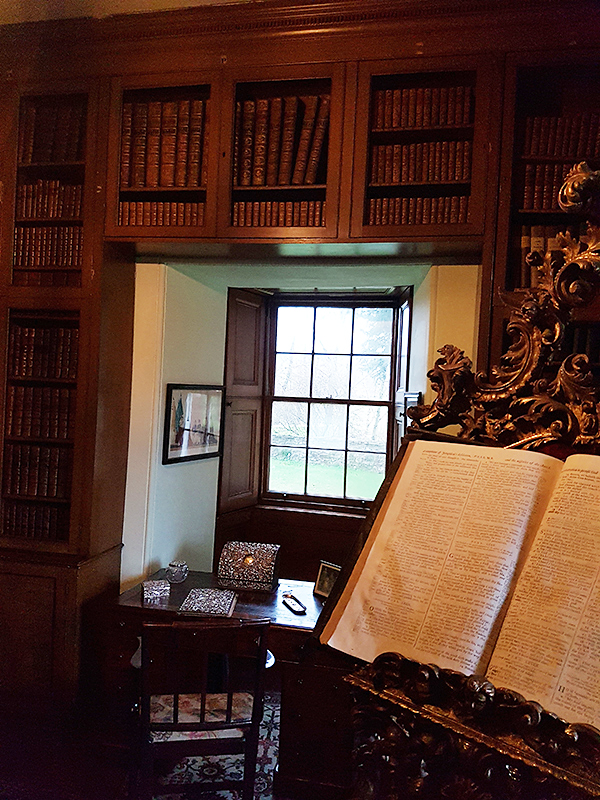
(424, 732)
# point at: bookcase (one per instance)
(283, 155)
(161, 159)
(48, 231)
(40, 392)
(65, 361)
(551, 123)
(556, 125)
(419, 143)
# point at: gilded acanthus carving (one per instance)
(528, 400)
(425, 732)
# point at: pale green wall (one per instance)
(179, 337)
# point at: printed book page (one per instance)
(549, 647)
(435, 576)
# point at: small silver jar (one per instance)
(177, 571)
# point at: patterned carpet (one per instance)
(214, 769)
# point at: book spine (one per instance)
(195, 142)
(288, 134)
(153, 143)
(304, 142)
(316, 149)
(182, 141)
(138, 144)
(76, 132)
(274, 142)
(204, 154)
(259, 161)
(168, 143)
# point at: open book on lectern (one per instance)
(484, 560)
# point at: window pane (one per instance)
(295, 329)
(372, 331)
(370, 378)
(367, 428)
(286, 470)
(327, 426)
(325, 473)
(365, 474)
(292, 375)
(288, 423)
(333, 330)
(331, 377)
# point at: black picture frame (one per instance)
(193, 426)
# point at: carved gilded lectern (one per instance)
(426, 732)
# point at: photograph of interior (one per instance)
(299, 399)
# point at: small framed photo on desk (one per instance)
(326, 577)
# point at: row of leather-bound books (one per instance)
(280, 141)
(48, 246)
(421, 162)
(570, 136)
(43, 351)
(51, 132)
(163, 143)
(32, 470)
(421, 107)
(39, 412)
(448, 210)
(279, 214)
(37, 521)
(158, 212)
(46, 277)
(49, 199)
(542, 183)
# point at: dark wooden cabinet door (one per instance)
(281, 154)
(421, 148)
(163, 157)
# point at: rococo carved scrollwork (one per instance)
(528, 401)
(425, 732)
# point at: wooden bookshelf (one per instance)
(418, 151)
(283, 155)
(40, 392)
(48, 225)
(556, 125)
(162, 160)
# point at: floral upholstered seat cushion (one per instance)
(161, 710)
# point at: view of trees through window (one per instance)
(332, 406)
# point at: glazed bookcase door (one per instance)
(161, 158)
(42, 372)
(281, 178)
(556, 125)
(552, 122)
(420, 156)
(48, 246)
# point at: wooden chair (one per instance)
(202, 695)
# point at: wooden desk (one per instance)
(288, 632)
(315, 740)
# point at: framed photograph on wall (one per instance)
(193, 422)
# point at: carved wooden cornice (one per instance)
(527, 401)
(273, 15)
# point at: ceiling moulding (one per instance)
(257, 15)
